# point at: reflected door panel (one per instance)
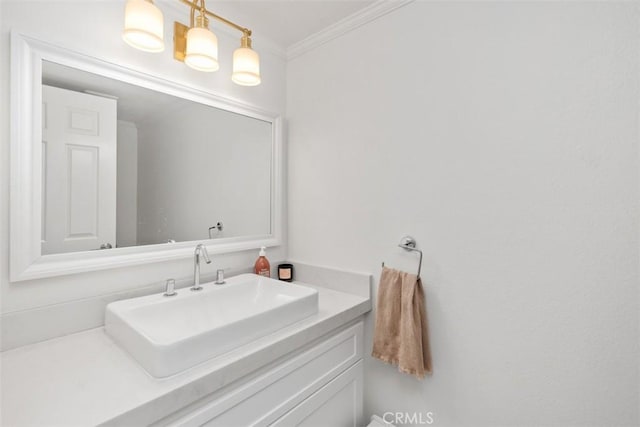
(79, 149)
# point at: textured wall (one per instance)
(504, 137)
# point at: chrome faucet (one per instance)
(200, 250)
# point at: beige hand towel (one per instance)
(401, 334)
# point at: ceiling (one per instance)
(285, 22)
(135, 104)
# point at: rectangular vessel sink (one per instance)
(169, 334)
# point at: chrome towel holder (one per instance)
(408, 243)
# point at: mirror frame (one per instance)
(25, 198)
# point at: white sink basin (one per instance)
(169, 334)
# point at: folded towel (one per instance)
(401, 334)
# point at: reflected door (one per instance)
(79, 171)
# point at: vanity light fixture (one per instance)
(246, 64)
(195, 45)
(143, 26)
(201, 52)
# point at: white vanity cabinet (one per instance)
(320, 386)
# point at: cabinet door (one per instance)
(337, 404)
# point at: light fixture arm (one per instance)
(195, 5)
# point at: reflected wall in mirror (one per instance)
(124, 165)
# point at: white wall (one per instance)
(504, 137)
(127, 185)
(93, 28)
(199, 165)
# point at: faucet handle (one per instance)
(170, 289)
(220, 277)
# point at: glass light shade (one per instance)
(246, 67)
(202, 50)
(143, 26)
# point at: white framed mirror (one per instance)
(111, 167)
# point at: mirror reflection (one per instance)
(125, 166)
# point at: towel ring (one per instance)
(408, 243)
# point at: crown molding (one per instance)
(350, 23)
(343, 26)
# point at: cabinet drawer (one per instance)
(337, 404)
(267, 397)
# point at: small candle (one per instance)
(285, 272)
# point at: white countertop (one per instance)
(87, 379)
